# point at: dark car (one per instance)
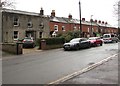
(28, 42)
(77, 43)
(95, 41)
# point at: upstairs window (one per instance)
(30, 25)
(55, 27)
(16, 21)
(63, 28)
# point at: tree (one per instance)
(7, 3)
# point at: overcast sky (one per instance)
(100, 9)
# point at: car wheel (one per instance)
(101, 44)
(77, 47)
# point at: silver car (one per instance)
(76, 44)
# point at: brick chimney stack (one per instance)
(106, 23)
(102, 22)
(99, 22)
(83, 19)
(53, 13)
(41, 11)
(95, 21)
(70, 16)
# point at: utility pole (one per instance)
(0, 23)
(91, 32)
(80, 19)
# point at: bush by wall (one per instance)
(51, 42)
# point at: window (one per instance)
(30, 24)
(88, 29)
(55, 27)
(16, 21)
(63, 28)
(75, 28)
(92, 29)
(15, 35)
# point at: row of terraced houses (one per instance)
(18, 24)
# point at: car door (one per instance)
(83, 43)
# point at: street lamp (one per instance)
(91, 33)
(80, 19)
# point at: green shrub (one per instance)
(69, 35)
(51, 41)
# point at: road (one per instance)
(47, 66)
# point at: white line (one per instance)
(81, 71)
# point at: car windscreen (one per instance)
(74, 40)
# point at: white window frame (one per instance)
(75, 28)
(17, 35)
(92, 29)
(88, 29)
(16, 20)
(56, 28)
(63, 28)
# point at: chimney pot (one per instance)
(70, 16)
(83, 19)
(95, 21)
(102, 22)
(99, 21)
(106, 23)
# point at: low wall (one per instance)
(44, 46)
(15, 48)
(53, 46)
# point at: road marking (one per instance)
(81, 71)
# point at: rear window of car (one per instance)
(106, 36)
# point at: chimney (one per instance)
(83, 19)
(53, 13)
(95, 21)
(70, 16)
(41, 11)
(106, 23)
(102, 22)
(99, 21)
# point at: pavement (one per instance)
(106, 73)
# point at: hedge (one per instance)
(51, 41)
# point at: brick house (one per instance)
(17, 24)
(61, 24)
(20, 24)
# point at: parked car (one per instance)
(95, 41)
(28, 42)
(77, 43)
(109, 38)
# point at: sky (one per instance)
(100, 9)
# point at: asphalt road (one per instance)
(107, 73)
(47, 66)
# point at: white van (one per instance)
(107, 38)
